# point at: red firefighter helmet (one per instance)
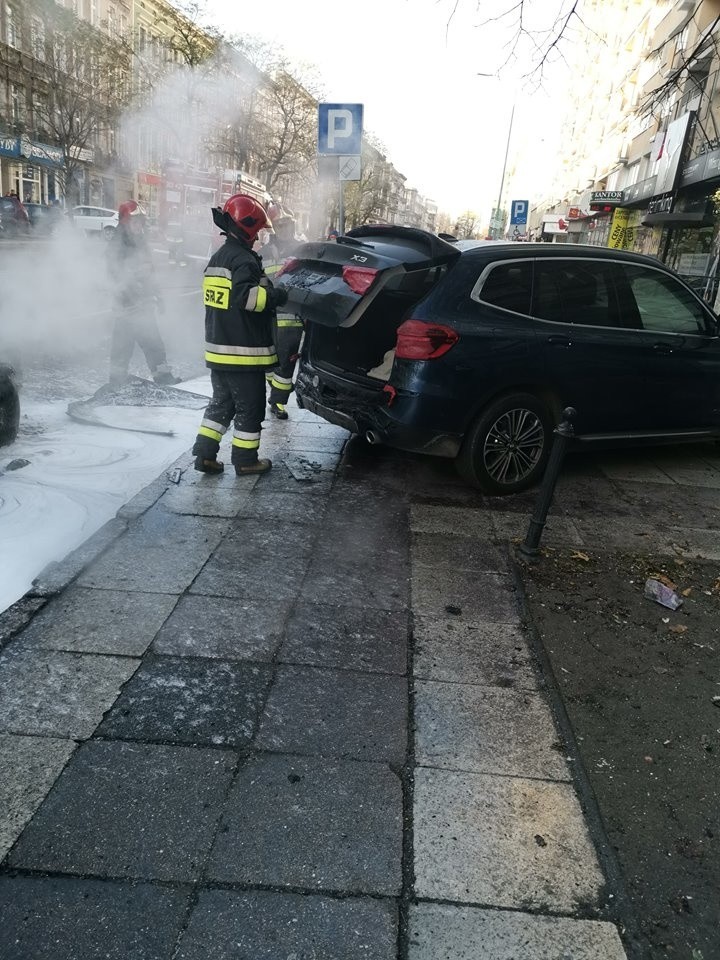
(247, 217)
(130, 208)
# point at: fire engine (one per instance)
(186, 197)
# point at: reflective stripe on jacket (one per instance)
(239, 310)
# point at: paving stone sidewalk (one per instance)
(287, 718)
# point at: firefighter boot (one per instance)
(260, 466)
(166, 379)
(278, 410)
(209, 465)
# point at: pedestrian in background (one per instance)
(288, 328)
(137, 299)
(240, 305)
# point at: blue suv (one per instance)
(472, 350)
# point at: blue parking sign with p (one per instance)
(340, 128)
(519, 211)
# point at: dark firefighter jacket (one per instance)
(131, 269)
(240, 305)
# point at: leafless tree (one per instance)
(80, 84)
(467, 225)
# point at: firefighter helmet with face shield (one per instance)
(242, 217)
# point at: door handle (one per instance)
(559, 341)
(663, 348)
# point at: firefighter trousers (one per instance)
(238, 396)
(288, 334)
(136, 325)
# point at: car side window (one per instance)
(574, 291)
(506, 285)
(664, 304)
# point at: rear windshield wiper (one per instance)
(355, 243)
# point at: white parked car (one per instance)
(95, 219)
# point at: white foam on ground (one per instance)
(77, 479)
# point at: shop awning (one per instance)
(680, 218)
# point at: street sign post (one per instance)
(340, 129)
(519, 212)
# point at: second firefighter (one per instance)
(240, 304)
(289, 329)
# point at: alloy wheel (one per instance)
(513, 446)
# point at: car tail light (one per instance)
(359, 279)
(418, 340)
(288, 265)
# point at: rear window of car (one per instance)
(506, 285)
(574, 291)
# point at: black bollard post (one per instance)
(564, 433)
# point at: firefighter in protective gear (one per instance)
(288, 328)
(240, 304)
(137, 299)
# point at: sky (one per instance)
(414, 65)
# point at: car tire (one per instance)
(506, 448)
(108, 232)
(9, 413)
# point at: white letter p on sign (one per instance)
(340, 126)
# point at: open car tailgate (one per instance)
(332, 283)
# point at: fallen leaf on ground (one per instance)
(663, 578)
(660, 670)
(578, 555)
(716, 586)
(686, 592)
(678, 628)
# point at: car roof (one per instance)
(502, 248)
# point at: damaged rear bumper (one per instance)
(366, 413)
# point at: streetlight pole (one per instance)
(498, 224)
(501, 223)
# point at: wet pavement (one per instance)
(278, 717)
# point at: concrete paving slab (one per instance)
(447, 550)
(312, 823)
(692, 543)
(628, 535)
(486, 730)
(245, 630)
(444, 932)
(53, 693)
(173, 549)
(228, 480)
(148, 812)
(256, 581)
(47, 918)
(465, 651)
(28, 768)
(258, 924)
(350, 638)
(514, 526)
(624, 468)
(179, 700)
(336, 713)
(194, 500)
(691, 472)
(100, 621)
(285, 507)
(379, 586)
(502, 841)
(458, 521)
(248, 540)
(470, 594)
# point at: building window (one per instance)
(93, 12)
(37, 38)
(17, 102)
(112, 21)
(12, 34)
